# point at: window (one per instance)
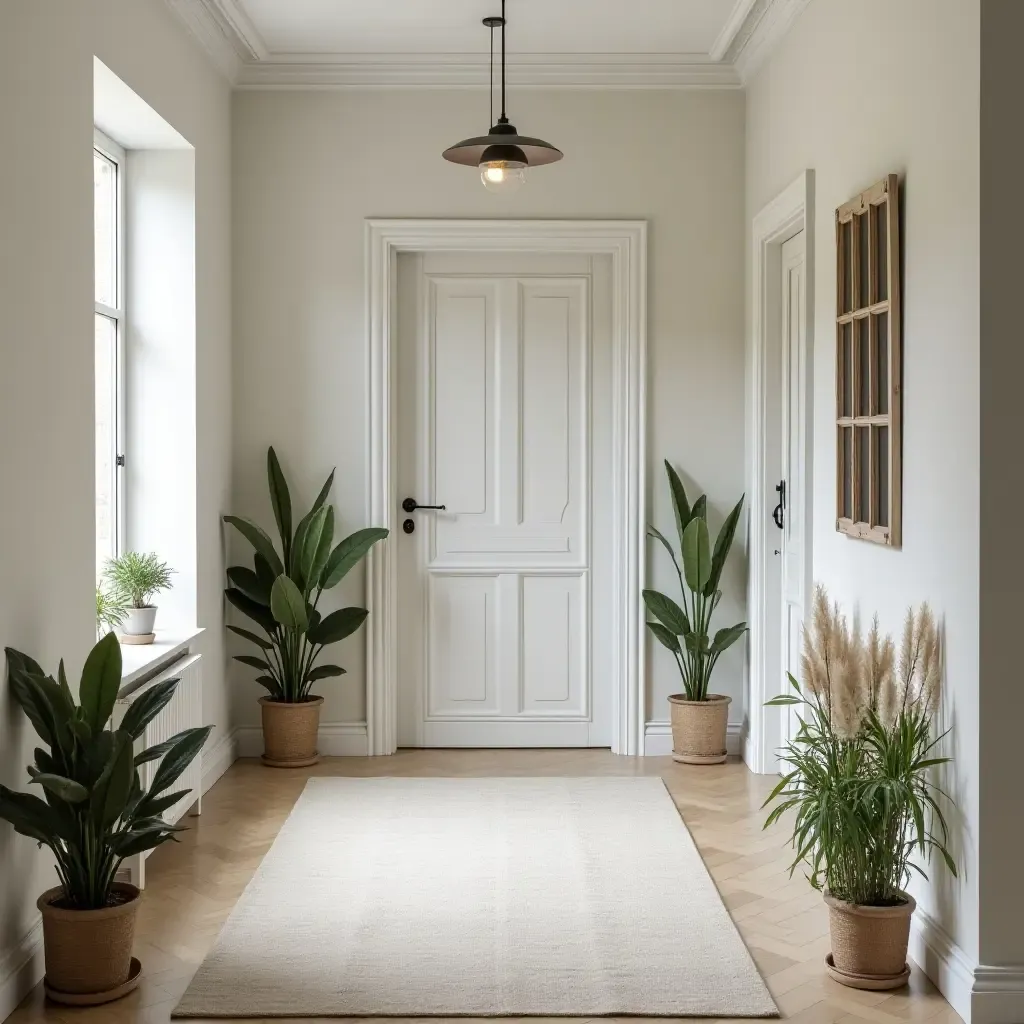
(108, 185)
(869, 366)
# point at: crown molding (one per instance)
(766, 23)
(240, 53)
(576, 71)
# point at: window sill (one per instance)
(139, 662)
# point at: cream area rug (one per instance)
(480, 897)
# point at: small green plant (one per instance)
(96, 811)
(111, 610)
(686, 630)
(282, 590)
(137, 577)
(864, 805)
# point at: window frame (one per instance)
(859, 306)
(116, 154)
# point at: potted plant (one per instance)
(93, 813)
(111, 611)
(864, 811)
(137, 578)
(280, 594)
(699, 718)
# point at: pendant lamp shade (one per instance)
(503, 155)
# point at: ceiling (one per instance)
(454, 26)
(566, 43)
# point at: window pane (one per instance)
(863, 270)
(863, 457)
(106, 439)
(846, 341)
(105, 226)
(846, 472)
(881, 437)
(881, 249)
(882, 361)
(863, 367)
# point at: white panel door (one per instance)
(500, 358)
(794, 331)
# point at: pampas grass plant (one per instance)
(866, 811)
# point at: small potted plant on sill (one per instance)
(863, 809)
(280, 594)
(111, 611)
(699, 718)
(93, 813)
(138, 578)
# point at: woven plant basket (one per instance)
(289, 732)
(699, 728)
(89, 951)
(869, 944)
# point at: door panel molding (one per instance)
(786, 215)
(625, 242)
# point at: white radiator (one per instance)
(185, 711)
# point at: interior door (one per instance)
(504, 391)
(794, 354)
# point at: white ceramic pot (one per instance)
(140, 621)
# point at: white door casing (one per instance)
(504, 385)
(623, 247)
(793, 383)
(780, 402)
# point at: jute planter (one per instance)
(289, 732)
(869, 944)
(698, 728)
(89, 952)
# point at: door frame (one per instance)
(790, 212)
(625, 241)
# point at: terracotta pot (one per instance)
(89, 951)
(699, 728)
(289, 732)
(869, 944)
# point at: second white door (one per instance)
(504, 419)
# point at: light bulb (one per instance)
(502, 175)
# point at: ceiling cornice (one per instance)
(440, 71)
(238, 50)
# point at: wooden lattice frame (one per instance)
(869, 363)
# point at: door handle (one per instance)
(779, 514)
(410, 506)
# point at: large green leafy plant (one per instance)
(94, 811)
(281, 591)
(863, 807)
(686, 629)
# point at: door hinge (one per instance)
(119, 461)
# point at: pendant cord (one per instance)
(491, 120)
(503, 117)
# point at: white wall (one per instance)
(309, 167)
(47, 547)
(857, 90)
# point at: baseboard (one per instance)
(980, 993)
(950, 968)
(21, 969)
(658, 739)
(219, 758)
(334, 739)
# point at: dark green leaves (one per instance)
(666, 636)
(288, 605)
(66, 789)
(665, 609)
(280, 499)
(348, 553)
(250, 584)
(182, 752)
(725, 638)
(247, 606)
(253, 638)
(680, 504)
(113, 787)
(258, 539)
(146, 706)
(696, 554)
(722, 546)
(101, 679)
(324, 672)
(338, 625)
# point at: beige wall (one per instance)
(309, 167)
(856, 90)
(47, 545)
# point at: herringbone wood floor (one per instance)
(192, 886)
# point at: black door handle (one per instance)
(410, 506)
(779, 514)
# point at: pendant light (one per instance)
(502, 154)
